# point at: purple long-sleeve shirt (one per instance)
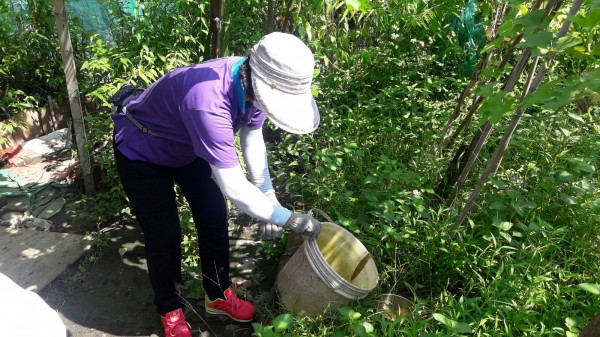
(195, 110)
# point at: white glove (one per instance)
(268, 231)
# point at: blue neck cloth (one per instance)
(239, 88)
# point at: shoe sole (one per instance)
(215, 313)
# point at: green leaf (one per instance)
(565, 131)
(363, 329)
(541, 95)
(358, 5)
(565, 176)
(568, 200)
(492, 45)
(507, 28)
(563, 91)
(523, 9)
(270, 333)
(460, 327)
(504, 225)
(576, 118)
(496, 106)
(567, 42)
(518, 207)
(283, 322)
(486, 90)
(506, 236)
(498, 205)
(349, 314)
(258, 329)
(532, 21)
(590, 287)
(590, 20)
(539, 42)
(538, 39)
(368, 327)
(585, 167)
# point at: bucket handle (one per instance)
(292, 250)
(327, 217)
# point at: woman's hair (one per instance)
(245, 71)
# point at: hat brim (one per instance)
(297, 114)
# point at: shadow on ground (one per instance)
(105, 294)
(109, 296)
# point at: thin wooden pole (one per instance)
(66, 51)
(216, 22)
(475, 78)
(486, 130)
(270, 17)
(532, 85)
(480, 139)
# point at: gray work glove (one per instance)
(305, 225)
(268, 231)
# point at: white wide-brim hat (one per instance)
(282, 71)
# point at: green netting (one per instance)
(471, 36)
(93, 15)
(19, 8)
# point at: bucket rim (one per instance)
(336, 282)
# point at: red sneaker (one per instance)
(232, 306)
(175, 324)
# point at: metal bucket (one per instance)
(326, 273)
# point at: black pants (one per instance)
(151, 191)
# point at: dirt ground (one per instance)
(105, 294)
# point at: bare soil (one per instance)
(105, 294)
